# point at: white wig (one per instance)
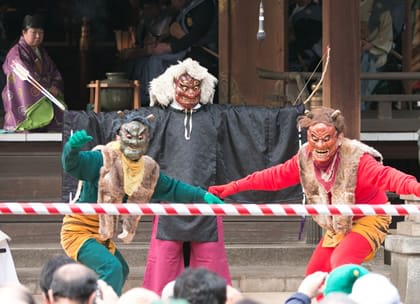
(162, 88)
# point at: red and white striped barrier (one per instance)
(49, 208)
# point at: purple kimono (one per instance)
(18, 94)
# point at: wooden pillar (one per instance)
(407, 44)
(341, 88)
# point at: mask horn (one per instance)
(151, 117)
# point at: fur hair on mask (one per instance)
(162, 88)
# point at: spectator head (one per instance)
(48, 270)
(337, 298)
(74, 282)
(342, 278)
(138, 295)
(15, 294)
(374, 288)
(361, 286)
(200, 286)
(247, 301)
(233, 295)
(168, 290)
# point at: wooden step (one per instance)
(30, 188)
(30, 171)
(39, 229)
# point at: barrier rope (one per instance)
(51, 208)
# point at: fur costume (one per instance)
(116, 180)
(343, 189)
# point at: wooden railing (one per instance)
(385, 118)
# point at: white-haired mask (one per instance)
(187, 91)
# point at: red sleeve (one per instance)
(374, 179)
(274, 178)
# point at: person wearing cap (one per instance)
(117, 170)
(334, 170)
(19, 96)
(361, 285)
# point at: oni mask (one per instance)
(134, 140)
(323, 142)
(187, 91)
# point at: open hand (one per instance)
(79, 139)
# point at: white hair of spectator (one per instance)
(374, 288)
(337, 298)
(233, 295)
(168, 290)
(15, 294)
(138, 295)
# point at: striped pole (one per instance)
(52, 208)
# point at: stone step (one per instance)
(260, 255)
(40, 229)
(253, 268)
(247, 277)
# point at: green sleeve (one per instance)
(173, 190)
(83, 165)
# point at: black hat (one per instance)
(33, 21)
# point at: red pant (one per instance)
(353, 249)
(165, 260)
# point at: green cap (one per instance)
(342, 278)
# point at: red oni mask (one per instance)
(187, 91)
(323, 142)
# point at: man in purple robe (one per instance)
(20, 96)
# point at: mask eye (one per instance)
(126, 134)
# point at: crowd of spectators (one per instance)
(63, 280)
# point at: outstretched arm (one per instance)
(171, 189)
(271, 179)
(372, 174)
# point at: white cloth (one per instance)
(8, 271)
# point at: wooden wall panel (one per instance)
(341, 86)
(241, 53)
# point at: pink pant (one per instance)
(165, 260)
